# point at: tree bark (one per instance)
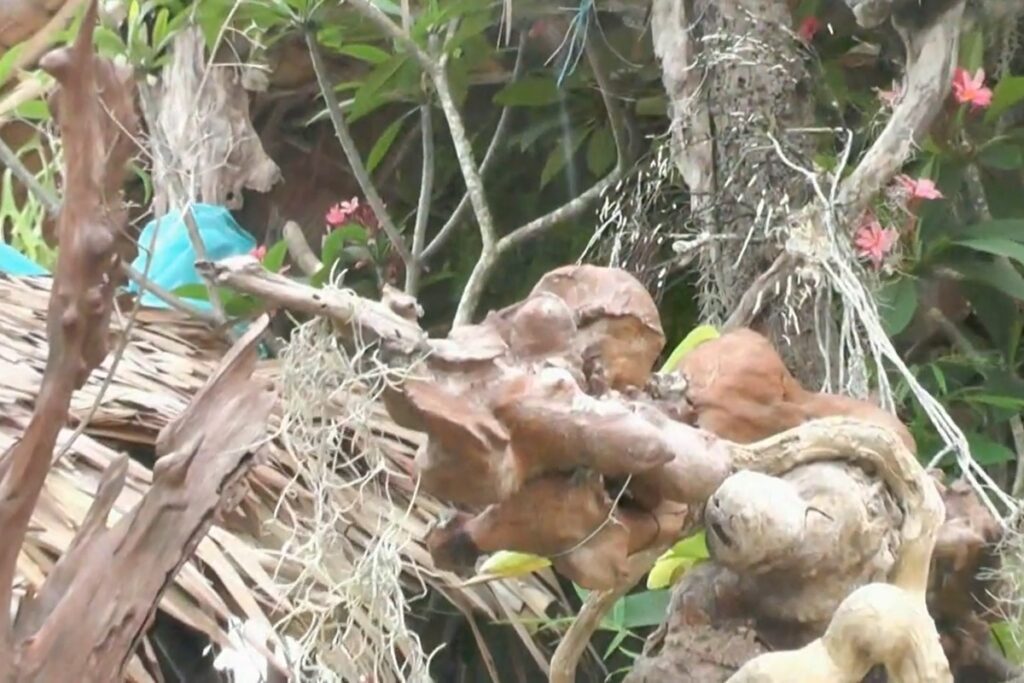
(735, 76)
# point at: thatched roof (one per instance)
(237, 569)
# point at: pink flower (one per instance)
(919, 188)
(809, 27)
(971, 90)
(339, 213)
(259, 253)
(873, 241)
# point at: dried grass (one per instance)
(274, 561)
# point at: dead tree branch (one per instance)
(81, 301)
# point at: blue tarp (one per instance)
(174, 262)
(13, 262)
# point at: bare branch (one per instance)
(371, 320)
(298, 247)
(467, 163)
(352, 152)
(489, 256)
(496, 139)
(412, 275)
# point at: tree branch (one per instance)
(575, 641)
(412, 274)
(931, 56)
(352, 152)
(489, 255)
(496, 139)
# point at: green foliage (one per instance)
(677, 560)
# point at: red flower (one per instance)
(809, 27)
(340, 213)
(919, 188)
(873, 242)
(259, 253)
(971, 90)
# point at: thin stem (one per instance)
(412, 275)
(464, 153)
(43, 194)
(352, 152)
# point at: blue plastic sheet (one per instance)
(174, 259)
(13, 262)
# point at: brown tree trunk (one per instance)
(736, 79)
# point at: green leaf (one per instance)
(196, 291)
(334, 249)
(275, 257)
(239, 305)
(368, 97)
(160, 26)
(1006, 228)
(1002, 156)
(644, 609)
(897, 302)
(7, 62)
(988, 452)
(972, 49)
(677, 560)
(940, 378)
(999, 316)
(695, 338)
(108, 42)
(994, 245)
(997, 274)
(383, 144)
(388, 7)
(1009, 641)
(559, 156)
(995, 400)
(33, 110)
(655, 106)
(533, 91)
(367, 53)
(601, 151)
(1007, 93)
(616, 643)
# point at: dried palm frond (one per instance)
(248, 566)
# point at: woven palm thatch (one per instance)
(243, 569)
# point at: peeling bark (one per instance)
(205, 143)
